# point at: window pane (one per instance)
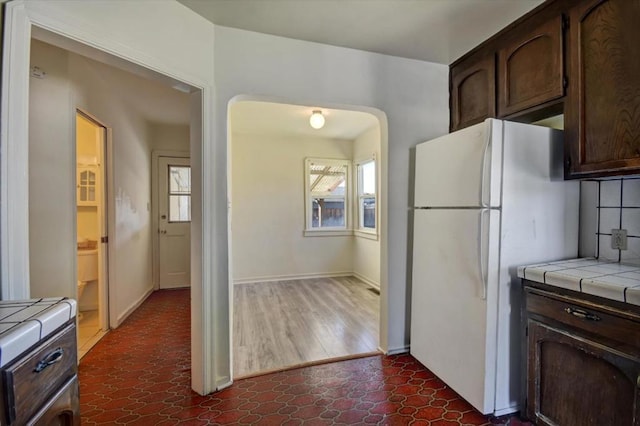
(179, 208)
(368, 213)
(179, 180)
(368, 176)
(327, 180)
(327, 213)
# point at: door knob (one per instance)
(164, 216)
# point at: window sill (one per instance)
(369, 235)
(328, 232)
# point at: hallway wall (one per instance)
(80, 82)
(52, 229)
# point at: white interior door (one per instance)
(174, 222)
(453, 301)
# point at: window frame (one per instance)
(309, 230)
(359, 229)
(173, 193)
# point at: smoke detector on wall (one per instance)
(37, 72)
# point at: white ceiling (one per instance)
(430, 30)
(267, 118)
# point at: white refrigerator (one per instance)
(487, 199)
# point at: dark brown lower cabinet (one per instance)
(63, 409)
(40, 387)
(576, 381)
(583, 359)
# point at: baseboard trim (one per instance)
(88, 307)
(398, 351)
(225, 383)
(291, 277)
(123, 316)
(367, 280)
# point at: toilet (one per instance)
(87, 268)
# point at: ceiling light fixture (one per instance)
(317, 119)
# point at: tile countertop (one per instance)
(611, 280)
(23, 323)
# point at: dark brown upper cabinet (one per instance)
(531, 68)
(472, 92)
(602, 109)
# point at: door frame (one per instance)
(210, 366)
(155, 199)
(107, 198)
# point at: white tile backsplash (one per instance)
(617, 206)
(610, 193)
(605, 252)
(632, 254)
(588, 218)
(631, 221)
(631, 193)
(609, 219)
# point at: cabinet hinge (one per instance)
(565, 82)
(526, 331)
(104, 239)
(565, 22)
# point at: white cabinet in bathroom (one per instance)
(87, 186)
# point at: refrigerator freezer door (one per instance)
(461, 169)
(454, 293)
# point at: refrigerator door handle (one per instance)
(483, 170)
(481, 263)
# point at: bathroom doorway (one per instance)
(92, 236)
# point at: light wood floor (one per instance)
(286, 323)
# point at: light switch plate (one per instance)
(619, 239)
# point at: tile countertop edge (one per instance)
(607, 279)
(36, 320)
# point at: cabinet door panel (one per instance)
(575, 381)
(602, 115)
(472, 93)
(530, 69)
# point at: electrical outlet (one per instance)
(619, 239)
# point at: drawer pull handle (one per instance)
(50, 359)
(582, 314)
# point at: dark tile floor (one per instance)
(139, 375)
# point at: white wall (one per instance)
(131, 238)
(175, 41)
(268, 209)
(366, 252)
(52, 229)
(413, 94)
(169, 137)
(88, 85)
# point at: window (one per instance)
(179, 194)
(366, 187)
(327, 187)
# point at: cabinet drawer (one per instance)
(35, 378)
(585, 318)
